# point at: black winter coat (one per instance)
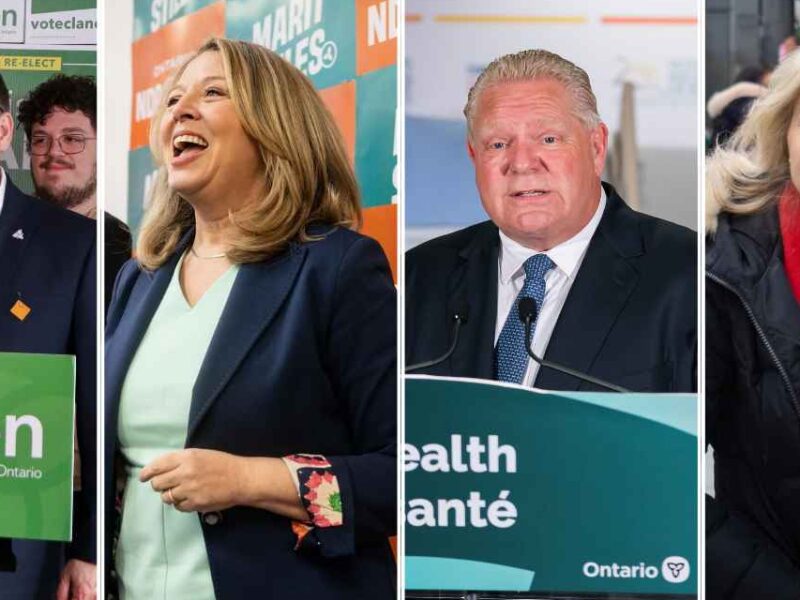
(752, 413)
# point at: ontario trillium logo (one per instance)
(675, 569)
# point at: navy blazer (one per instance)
(302, 360)
(52, 269)
(630, 317)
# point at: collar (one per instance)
(566, 256)
(743, 247)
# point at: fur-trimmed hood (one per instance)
(744, 89)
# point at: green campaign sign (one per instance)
(37, 400)
(46, 6)
(510, 489)
(316, 36)
(48, 22)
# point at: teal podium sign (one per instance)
(515, 490)
(36, 445)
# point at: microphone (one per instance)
(527, 314)
(460, 316)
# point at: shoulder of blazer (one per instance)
(632, 233)
(457, 242)
(130, 271)
(68, 225)
(330, 244)
(126, 279)
(328, 236)
(440, 255)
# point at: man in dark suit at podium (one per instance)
(614, 290)
(48, 305)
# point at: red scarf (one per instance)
(789, 216)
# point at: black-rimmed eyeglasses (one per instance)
(70, 143)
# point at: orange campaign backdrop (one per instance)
(380, 222)
(376, 34)
(156, 55)
(341, 102)
(347, 47)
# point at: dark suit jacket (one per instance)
(53, 270)
(118, 248)
(630, 317)
(303, 360)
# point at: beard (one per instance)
(70, 196)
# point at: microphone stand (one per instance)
(566, 370)
(459, 320)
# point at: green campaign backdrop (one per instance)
(36, 445)
(376, 153)
(150, 15)
(17, 68)
(604, 490)
(141, 174)
(48, 37)
(323, 46)
(321, 38)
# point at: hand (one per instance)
(78, 581)
(197, 480)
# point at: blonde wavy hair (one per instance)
(307, 175)
(750, 170)
(537, 64)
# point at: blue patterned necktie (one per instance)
(510, 357)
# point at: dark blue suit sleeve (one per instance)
(123, 284)
(362, 354)
(84, 337)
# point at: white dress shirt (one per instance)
(567, 258)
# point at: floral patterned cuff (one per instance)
(318, 489)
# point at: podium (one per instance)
(513, 492)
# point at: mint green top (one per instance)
(161, 553)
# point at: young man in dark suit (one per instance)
(614, 290)
(60, 120)
(48, 305)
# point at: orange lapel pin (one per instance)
(20, 310)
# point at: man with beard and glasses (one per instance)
(48, 302)
(60, 121)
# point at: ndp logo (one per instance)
(674, 569)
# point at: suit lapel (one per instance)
(139, 310)
(258, 293)
(604, 282)
(18, 213)
(475, 284)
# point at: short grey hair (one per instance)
(537, 64)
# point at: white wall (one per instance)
(114, 101)
(448, 42)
